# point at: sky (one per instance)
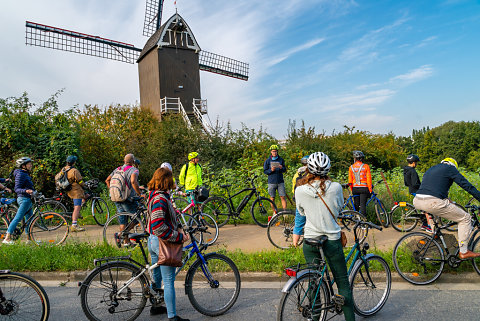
(380, 66)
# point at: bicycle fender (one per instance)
(286, 288)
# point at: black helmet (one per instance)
(412, 158)
(358, 154)
(72, 159)
(137, 162)
(23, 161)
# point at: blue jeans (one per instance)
(24, 210)
(167, 273)
(299, 223)
(127, 206)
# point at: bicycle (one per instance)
(220, 208)
(420, 259)
(120, 285)
(7, 213)
(309, 293)
(22, 298)
(64, 205)
(44, 227)
(380, 209)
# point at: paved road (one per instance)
(259, 301)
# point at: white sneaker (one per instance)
(9, 242)
(76, 228)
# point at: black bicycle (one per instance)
(220, 208)
(22, 298)
(8, 209)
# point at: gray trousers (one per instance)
(450, 211)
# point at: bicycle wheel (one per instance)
(296, 304)
(204, 220)
(262, 209)
(3, 227)
(100, 211)
(362, 232)
(9, 212)
(111, 231)
(370, 290)
(218, 208)
(100, 296)
(476, 249)
(213, 288)
(280, 230)
(25, 299)
(49, 228)
(418, 258)
(381, 212)
(404, 218)
(181, 204)
(193, 223)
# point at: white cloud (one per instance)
(369, 98)
(418, 74)
(284, 56)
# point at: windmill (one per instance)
(168, 65)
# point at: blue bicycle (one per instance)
(380, 209)
(119, 287)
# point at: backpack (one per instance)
(61, 180)
(119, 189)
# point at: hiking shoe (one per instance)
(76, 228)
(426, 228)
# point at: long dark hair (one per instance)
(309, 178)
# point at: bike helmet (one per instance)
(192, 155)
(358, 154)
(23, 161)
(304, 160)
(167, 166)
(412, 158)
(273, 147)
(71, 159)
(137, 161)
(318, 163)
(450, 161)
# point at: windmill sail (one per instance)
(153, 17)
(209, 61)
(61, 39)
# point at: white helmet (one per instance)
(318, 164)
(167, 166)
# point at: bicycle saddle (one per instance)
(138, 236)
(318, 242)
(6, 201)
(225, 186)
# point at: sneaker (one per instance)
(9, 242)
(426, 228)
(76, 228)
(158, 310)
(177, 318)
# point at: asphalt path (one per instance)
(259, 301)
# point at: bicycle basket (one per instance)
(201, 194)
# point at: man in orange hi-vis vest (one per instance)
(360, 180)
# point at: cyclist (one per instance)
(412, 181)
(360, 180)
(432, 197)
(163, 224)
(191, 175)
(274, 167)
(24, 189)
(76, 193)
(320, 222)
(299, 220)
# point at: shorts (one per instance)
(77, 202)
(127, 206)
(272, 188)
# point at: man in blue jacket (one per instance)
(432, 197)
(274, 167)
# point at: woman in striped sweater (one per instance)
(163, 224)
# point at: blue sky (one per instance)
(380, 66)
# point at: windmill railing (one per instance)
(199, 117)
(201, 105)
(174, 105)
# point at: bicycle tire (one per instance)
(381, 212)
(49, 228)
(212, 297)
(290, 307)
(403, 218)
(362, 232)
(410, 263)
(11, 211)
(280, 230)
(262, 210)
(24, 296)
(218, 208)
(111, 228)
(100, 211)
(368, 288)
(107, 279)
(3, 227)
(205, 220)
(476, 249)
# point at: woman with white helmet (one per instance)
(315, 186)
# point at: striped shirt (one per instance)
(163, 218)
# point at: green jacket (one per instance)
(193, 178)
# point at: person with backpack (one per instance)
(191, 175)
(299, 219)
(360, 180)
(74, 189)
(274, 167)
(24, 189)
(123, 186)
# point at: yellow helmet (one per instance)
(450, 161)
(273, 147)
(192, 155)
